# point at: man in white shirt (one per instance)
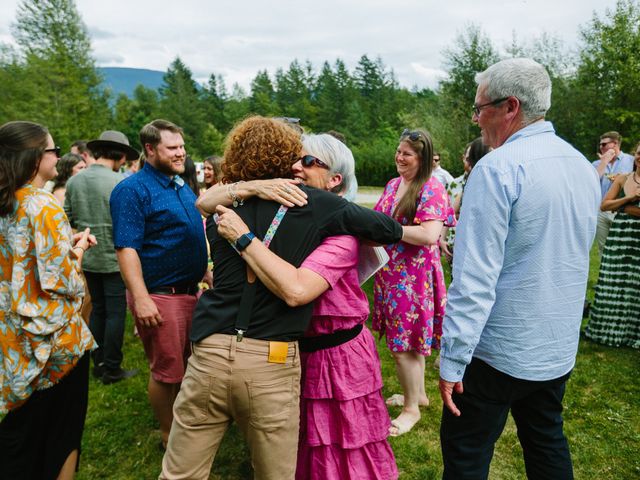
(440, 173)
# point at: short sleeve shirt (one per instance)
(155, 214)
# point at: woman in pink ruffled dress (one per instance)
(344, 423)
(409, 292)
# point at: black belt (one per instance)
(180, 290)
(321, 342)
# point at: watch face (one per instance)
(244, 241)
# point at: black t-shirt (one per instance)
(301, 231)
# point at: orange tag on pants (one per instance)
(278, 352)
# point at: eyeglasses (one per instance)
(57, 150)
(604, 144)
(413, 136)
(309, 160)
(478, 108)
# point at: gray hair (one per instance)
(339, 159)
(522, 78)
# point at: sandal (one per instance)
(395, 400)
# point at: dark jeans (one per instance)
(37, 437)
(107, 316)
(468, 441)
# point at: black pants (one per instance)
(468, 441)
(108, 298)
(37, 438)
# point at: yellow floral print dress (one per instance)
(42, 335)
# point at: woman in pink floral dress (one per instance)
(409, 292)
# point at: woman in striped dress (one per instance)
(615, 314)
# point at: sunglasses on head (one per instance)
(413, 136)
(57, 150)
(309, 160)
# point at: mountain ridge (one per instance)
(125, 79)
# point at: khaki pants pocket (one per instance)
(273, 401)
(192, 404)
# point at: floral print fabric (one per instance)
(409, 292)
(42, 335)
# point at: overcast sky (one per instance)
(238, 38)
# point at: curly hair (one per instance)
(260, 148)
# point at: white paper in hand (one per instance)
(371, 260)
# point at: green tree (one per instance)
(293, 92)
(263, 96)
(16, 94)
(565, 96)
(450, 124)
(56, 70)
(180, 102)
(329, 100)
(608, 76)
(214, 96)
(237, 104)
(473, 52)
(376, 87)
(131, 114)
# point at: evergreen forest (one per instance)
(49, 76)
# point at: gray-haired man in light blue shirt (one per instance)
(511, 331)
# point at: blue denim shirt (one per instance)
(521, 259)
(156, 215)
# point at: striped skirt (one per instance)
(615, 314)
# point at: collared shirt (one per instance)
(443, 176)
(455, 187)
(522, 259)
(42, 335)
(622, 164)
(156, 215)
(86, 203)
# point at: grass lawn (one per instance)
(602, 421)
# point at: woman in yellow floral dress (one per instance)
(43, 339)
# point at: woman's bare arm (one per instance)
(282, 190)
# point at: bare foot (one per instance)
(397, 400)
(403, 423)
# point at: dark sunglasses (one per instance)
(413, 136)
(57, 150)
(604, 144)
(478, 108)
(309, 160)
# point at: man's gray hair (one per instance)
(522, 78)
(339, 159)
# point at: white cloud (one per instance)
(236, 39)
(431, 76)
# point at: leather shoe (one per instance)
(114, 376)
(98, 370)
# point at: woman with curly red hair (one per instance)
(245, 365)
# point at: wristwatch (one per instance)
(243, 241)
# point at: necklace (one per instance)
(634, 178)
